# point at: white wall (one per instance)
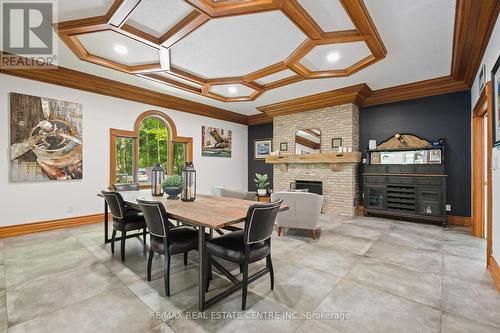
(32, 202)
(490, 57)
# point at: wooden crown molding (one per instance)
(204, 10)
(78, 80)
(354, 94)
(474, 23)
(360, 95)
(438, 86)
(258, 119)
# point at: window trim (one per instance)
(173, 138)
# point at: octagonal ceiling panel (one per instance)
(77, 9)
(330, 15)
(237, 45)
(232, 90)
(276, 77)
(119, 48)
(335, 56)
(156, 17)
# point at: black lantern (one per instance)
(188, 175)
(157, 176)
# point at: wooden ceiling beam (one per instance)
(230, 8)
(120, 11)
(361, 19)
(187, 25)
(299, 16)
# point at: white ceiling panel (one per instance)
(178, 79)
(347, 54)
(330, 15)
(77, 9)
(276, 77)
(105, 44)
(237, 45)
(156, 17)
(232, 90)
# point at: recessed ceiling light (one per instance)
(332, 57)
(232, 90)
(120, 49)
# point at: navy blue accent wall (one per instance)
(445, 116)
(256, 132)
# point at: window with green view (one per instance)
(153, 147)
(124, 164)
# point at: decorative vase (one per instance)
(261, 191)
(173, 192)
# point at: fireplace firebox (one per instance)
(311, 185)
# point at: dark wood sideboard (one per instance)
(408, 190)
(414, 191)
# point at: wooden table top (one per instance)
(207, 210)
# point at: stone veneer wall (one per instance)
(339, 188)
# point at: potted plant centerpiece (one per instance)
(172, 185)
(262, 183)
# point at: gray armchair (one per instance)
(304, 211)
(223, 192)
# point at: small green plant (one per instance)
(172, 181)
(261, 181)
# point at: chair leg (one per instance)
(122, 247)
(166, 273)
(245, 287)
(280, 229)
(185, 258)
(241, 268)
(144, 236)
(271, 270)
(313, 234)
(150, 261)
(113, 236)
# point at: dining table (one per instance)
(206, 213)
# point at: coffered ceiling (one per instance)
(231, 51)
(239, 55)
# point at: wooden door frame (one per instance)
(483, 107)
(489, 222)
(478, 158)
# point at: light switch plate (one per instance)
(448, 208)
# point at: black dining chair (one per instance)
(165, 238)
(246, 246)
(127, 187)
(124, 219)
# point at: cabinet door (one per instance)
(375, 197)
(430, 201)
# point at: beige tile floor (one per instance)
(360, 275)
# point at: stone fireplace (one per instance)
(340, 189)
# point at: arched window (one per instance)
(154, 140)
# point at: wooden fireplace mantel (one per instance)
(334, 159)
